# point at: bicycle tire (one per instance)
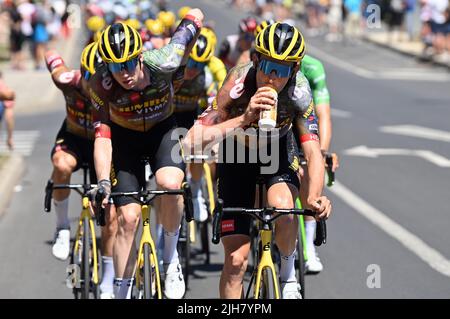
(85, 264)
(96, 287)
(267, 288)
(184, 251)
(148, 274)
(74, 261)
(300, 265)
(205, 241)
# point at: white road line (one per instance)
(397, 74)
(340, 113)
(417, 131)
(23, 142)
(416, 245)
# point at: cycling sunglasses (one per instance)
(281, 70)
(192, 64)
(129, 66)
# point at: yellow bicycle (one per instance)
(147, 275)
(264, 281)
(85, 255)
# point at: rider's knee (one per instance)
(62, 164)
(127, 221)
(169, 184)
(236, 262)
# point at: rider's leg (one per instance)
(108, 233)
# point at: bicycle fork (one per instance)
(147, 238)
(266, 263)
(86, 217)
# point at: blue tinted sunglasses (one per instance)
(192, 64)
(130, 66)
(281, 70)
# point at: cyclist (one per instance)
(95, 26)
(153, 35)
(74, 146)
(315, 73)
(204, 72)
(280, 49)
(134, 103)
(234, 45)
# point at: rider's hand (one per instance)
(104, 185)
(262, 100)
(197, 13)
(321, 205)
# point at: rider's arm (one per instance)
(175, 54)
(63, 77)
(215, 122)
(322, 102)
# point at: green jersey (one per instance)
(315, 73)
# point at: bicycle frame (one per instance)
(266, 261)
(146, 237)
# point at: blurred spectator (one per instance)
(439, 27)
(16, 37)
(7, 97)
(335, 21)
(396, 13)
(353, 19)
(409, 17)
(41, 37)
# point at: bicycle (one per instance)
(264, 280)
(147, 276)
(82, 258)
(210, 199)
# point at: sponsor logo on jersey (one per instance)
(238, 89)
(107, 83)
(313, 127)
(309, 110)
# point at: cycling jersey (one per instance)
(315, 73)
(294, 102)
(143, 109)
(78, 106)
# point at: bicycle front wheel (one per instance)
(148, 273)
(300, 260)
(268, 288)
(85, 264)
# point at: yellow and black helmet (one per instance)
(205, 46)
(262, 25)
(282, 42)
(156, 27)
(183, 11)
(90, 58)
(95, 24)
(167, 18)
(134, 23)
(119, 43)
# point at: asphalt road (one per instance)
(391, 206)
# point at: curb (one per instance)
(10, 174)
(406, 53)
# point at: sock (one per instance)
(62, 213)
(170, 255)
(310, 227)
(123, 287)
(195, 187)
(108, 274)
(287, 268)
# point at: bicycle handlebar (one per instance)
(185, 191)
(321, 230)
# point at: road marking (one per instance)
(397, 74)
(417, 131)
(415, 244)
(340, 113)
(429, 156)
(24, 142)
